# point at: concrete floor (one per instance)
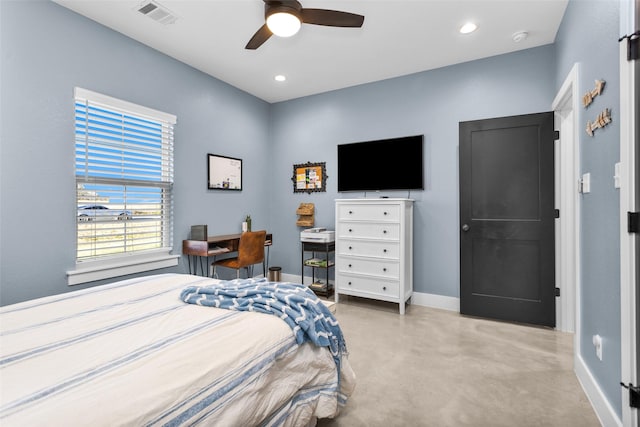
(437, 368)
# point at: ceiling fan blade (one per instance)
(331, 18)
(261, 36)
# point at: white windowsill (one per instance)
(90, 271)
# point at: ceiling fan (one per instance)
(284, 17)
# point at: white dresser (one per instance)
(374, 249)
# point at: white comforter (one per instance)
(131, 353)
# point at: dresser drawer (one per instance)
(367, 285)
(390, 249)
(369, 212)
(370, 267)
(365, 230)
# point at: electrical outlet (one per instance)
(597, 343)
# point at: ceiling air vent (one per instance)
(157, 12)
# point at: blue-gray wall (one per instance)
(47, 50)
(589, 35)
(430, 103)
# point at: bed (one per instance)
(133, 353)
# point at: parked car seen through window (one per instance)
(91, 212)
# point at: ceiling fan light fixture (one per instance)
(283, 24)
(284, 18)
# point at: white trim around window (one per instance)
(90, 271)
(98, 98)
(124, 188)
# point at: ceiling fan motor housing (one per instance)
(292, 7)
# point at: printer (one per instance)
(317, 235)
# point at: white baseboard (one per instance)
(603, 409)
(418, 298)
(436, 301)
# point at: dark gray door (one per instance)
(507, 258)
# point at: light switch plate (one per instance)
(597, 343)
(586, 183)
(616, 175)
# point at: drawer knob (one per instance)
(350, 212)
(350, 230)
(385, 213)
(349, 283)
(349, 265)
(384, 269)
(384, 231)
(350, 248)
(384, 288)
(384, 250)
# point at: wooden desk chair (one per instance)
(250, 252)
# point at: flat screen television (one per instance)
(386, 164)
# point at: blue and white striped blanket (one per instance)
(296, 304)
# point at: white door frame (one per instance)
(566, 107)
(628, 181)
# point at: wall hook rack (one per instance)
(603, 119)
(587, 99)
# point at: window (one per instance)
(124, 180)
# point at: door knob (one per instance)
(465, 227)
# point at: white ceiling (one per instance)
(398, 38)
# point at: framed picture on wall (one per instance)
(309, 177)
(224, 173)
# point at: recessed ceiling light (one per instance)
(467, 28)
(280, 78)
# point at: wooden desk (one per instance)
(217, 245)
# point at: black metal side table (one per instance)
(323, 261)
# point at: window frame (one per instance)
(98, 268)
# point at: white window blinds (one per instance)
(124, 177)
